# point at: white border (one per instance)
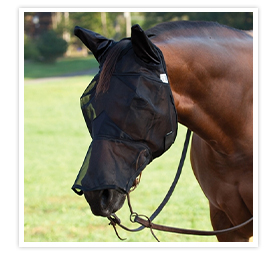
(21, 126)
(256, 124)
(139, 9)
(21, 133)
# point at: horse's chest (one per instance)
(214, 171)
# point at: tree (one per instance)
(30, 49)
(51, 46)
(239, 20)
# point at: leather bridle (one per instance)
(146, 222)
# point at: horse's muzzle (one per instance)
(104, 202)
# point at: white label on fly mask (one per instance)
(163, 78)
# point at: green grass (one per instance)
(55, 143)
(62, 66)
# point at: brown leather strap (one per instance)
(149, 224)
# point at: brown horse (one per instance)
(210, 72)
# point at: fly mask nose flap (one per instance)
(132, 122)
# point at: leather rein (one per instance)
(146, 222)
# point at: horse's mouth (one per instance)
(105, 202)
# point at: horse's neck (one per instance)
(212, 88)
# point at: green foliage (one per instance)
(47, 48)
(51, 46)
(30, 49)
(239, 20)
(112, 27)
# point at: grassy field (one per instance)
(55, 143)
(62, 66)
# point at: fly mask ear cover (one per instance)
(131, 123)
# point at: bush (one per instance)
(51, 46)
(30, 49)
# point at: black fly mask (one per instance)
(129, 111)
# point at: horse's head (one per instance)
(130, 114)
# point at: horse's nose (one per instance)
(106, 197)
(104, 202)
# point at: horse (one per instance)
(209, 68)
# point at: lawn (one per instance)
(55, 143)
(62, 66)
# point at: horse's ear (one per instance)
(97, 43)
(142, 45)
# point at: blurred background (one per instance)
(42, 28)
(57, 69)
